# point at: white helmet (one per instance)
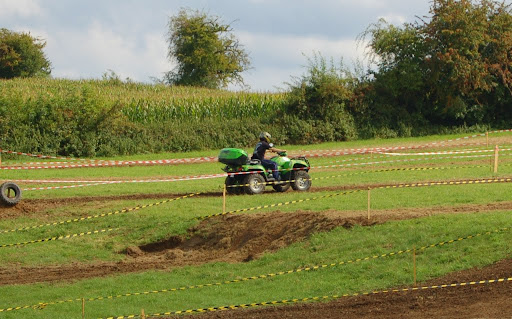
(265, 136)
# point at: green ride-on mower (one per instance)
(249, 176)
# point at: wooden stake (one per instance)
(496, 150)
(83, 308)
(487, 145)
(142, 314)
(369, 201)
(414, 264)
(224, 200)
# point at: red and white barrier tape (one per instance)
(48, 181)
(65, 187)
(199, 177)
(441, 143)
(99, 163)
(88, 183)
(50, 163)
(444, 153)
(399, 161)
(40, 156)
(114, 163)
(380, 150)
(379, 156)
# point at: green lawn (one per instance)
(154, 223)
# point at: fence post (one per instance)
(496, 151)
(83, 308)
(414, 264)
(486, 139)
(142, 314)
(369, 201)
(224, 200)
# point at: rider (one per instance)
(259, 153)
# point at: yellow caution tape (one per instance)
(59, 237)
(97, 216)
(481, 181)
(265, 276)
(318, 298)
(374, 171)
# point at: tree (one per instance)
(316, 104)
(205, 50)
(453, 68)
(397, 86)
(470, 56)
(21, 55)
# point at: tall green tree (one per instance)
(452, 68)
(21, 55)
(205, 50)
(458, 38)
(397, 89)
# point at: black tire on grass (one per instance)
(7, 190)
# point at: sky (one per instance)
(87, 38)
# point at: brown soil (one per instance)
(232, 238)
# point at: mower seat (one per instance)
(254, 162)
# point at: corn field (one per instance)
(109, 117)
(145, 103)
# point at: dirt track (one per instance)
(33, 206)
(477, 302)
(240, 238)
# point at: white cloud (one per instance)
(22, 8)
(270, 79)
(90, 53)
(370, 4)
(394, 19)
(277, 58)
(291, 48)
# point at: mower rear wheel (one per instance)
(254, 184)
(233, 185)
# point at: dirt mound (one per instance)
(239, 238)
(232, 239)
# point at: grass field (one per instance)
(123, 294)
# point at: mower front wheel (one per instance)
(254, 184)
(301, 181)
